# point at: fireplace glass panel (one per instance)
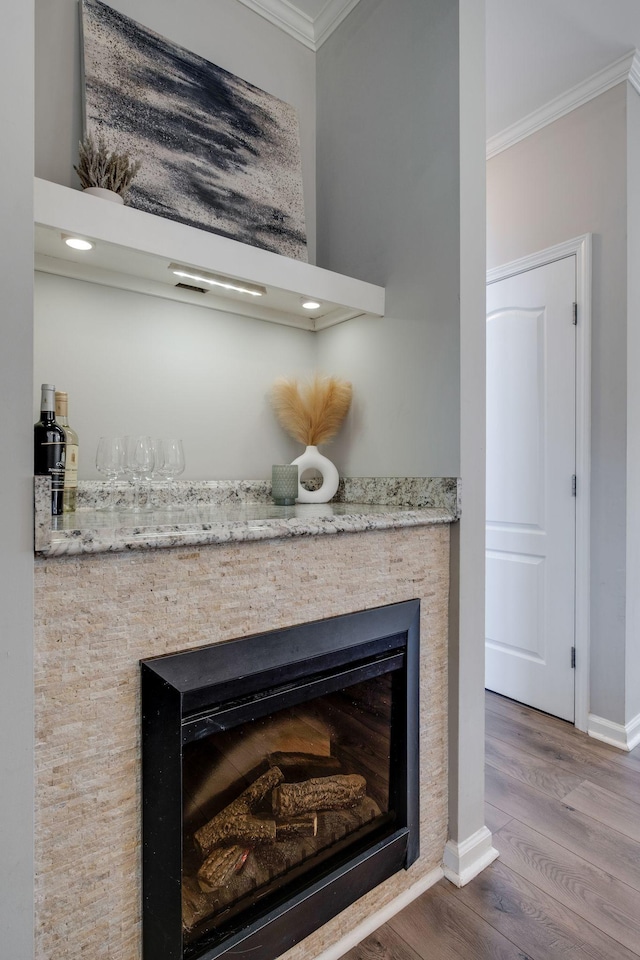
(282, 797)
(280, 781)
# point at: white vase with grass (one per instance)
(103, 173)
(313, 413)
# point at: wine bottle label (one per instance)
(51, 462)
(57, 478)
(71, 468)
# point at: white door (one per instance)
(531, 443)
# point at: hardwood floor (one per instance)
(565, 815)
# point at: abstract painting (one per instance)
(217, 153)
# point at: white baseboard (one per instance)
(633, 733)
(625, 737)
(465, 860)
(371, 924)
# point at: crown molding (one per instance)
(311, 31)
(287, 17)
(330, 17)
(634, 73)
(626, 68)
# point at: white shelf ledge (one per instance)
(133, 251)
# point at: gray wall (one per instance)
(16, 470)
(563, 181)
(466, 631)
(134, 364)
(388, 177)
(632, 697)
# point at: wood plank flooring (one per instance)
(565, 815)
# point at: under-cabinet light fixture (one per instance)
(217, 280)
(309, 303)
(77, 243)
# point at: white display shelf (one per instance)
(133, 251)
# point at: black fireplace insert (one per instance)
(279, 782)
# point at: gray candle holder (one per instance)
(284, 483)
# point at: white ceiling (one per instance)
(537, 50)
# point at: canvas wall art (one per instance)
(217, 153)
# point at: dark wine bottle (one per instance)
(49, 448)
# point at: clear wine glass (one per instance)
(155, 473)
(171, 464)
(110, 462)
(140, 463)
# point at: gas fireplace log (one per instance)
(306, 826)
(220, 866)
(303, 766)
(247, 830)
(253, 830)
(220, 828)
(321, 793)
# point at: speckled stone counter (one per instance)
(214, 512)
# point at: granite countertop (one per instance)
(208, 513)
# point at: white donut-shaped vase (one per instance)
(312, 459)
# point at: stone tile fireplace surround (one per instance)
(97, 615)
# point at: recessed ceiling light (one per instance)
(309, 304)
(77, 243)
(217, 280)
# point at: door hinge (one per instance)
(573, 658)
(575, 313)
(574, 486)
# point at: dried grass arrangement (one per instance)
(97, 167)
(312, 412)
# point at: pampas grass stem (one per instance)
(312, 413)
